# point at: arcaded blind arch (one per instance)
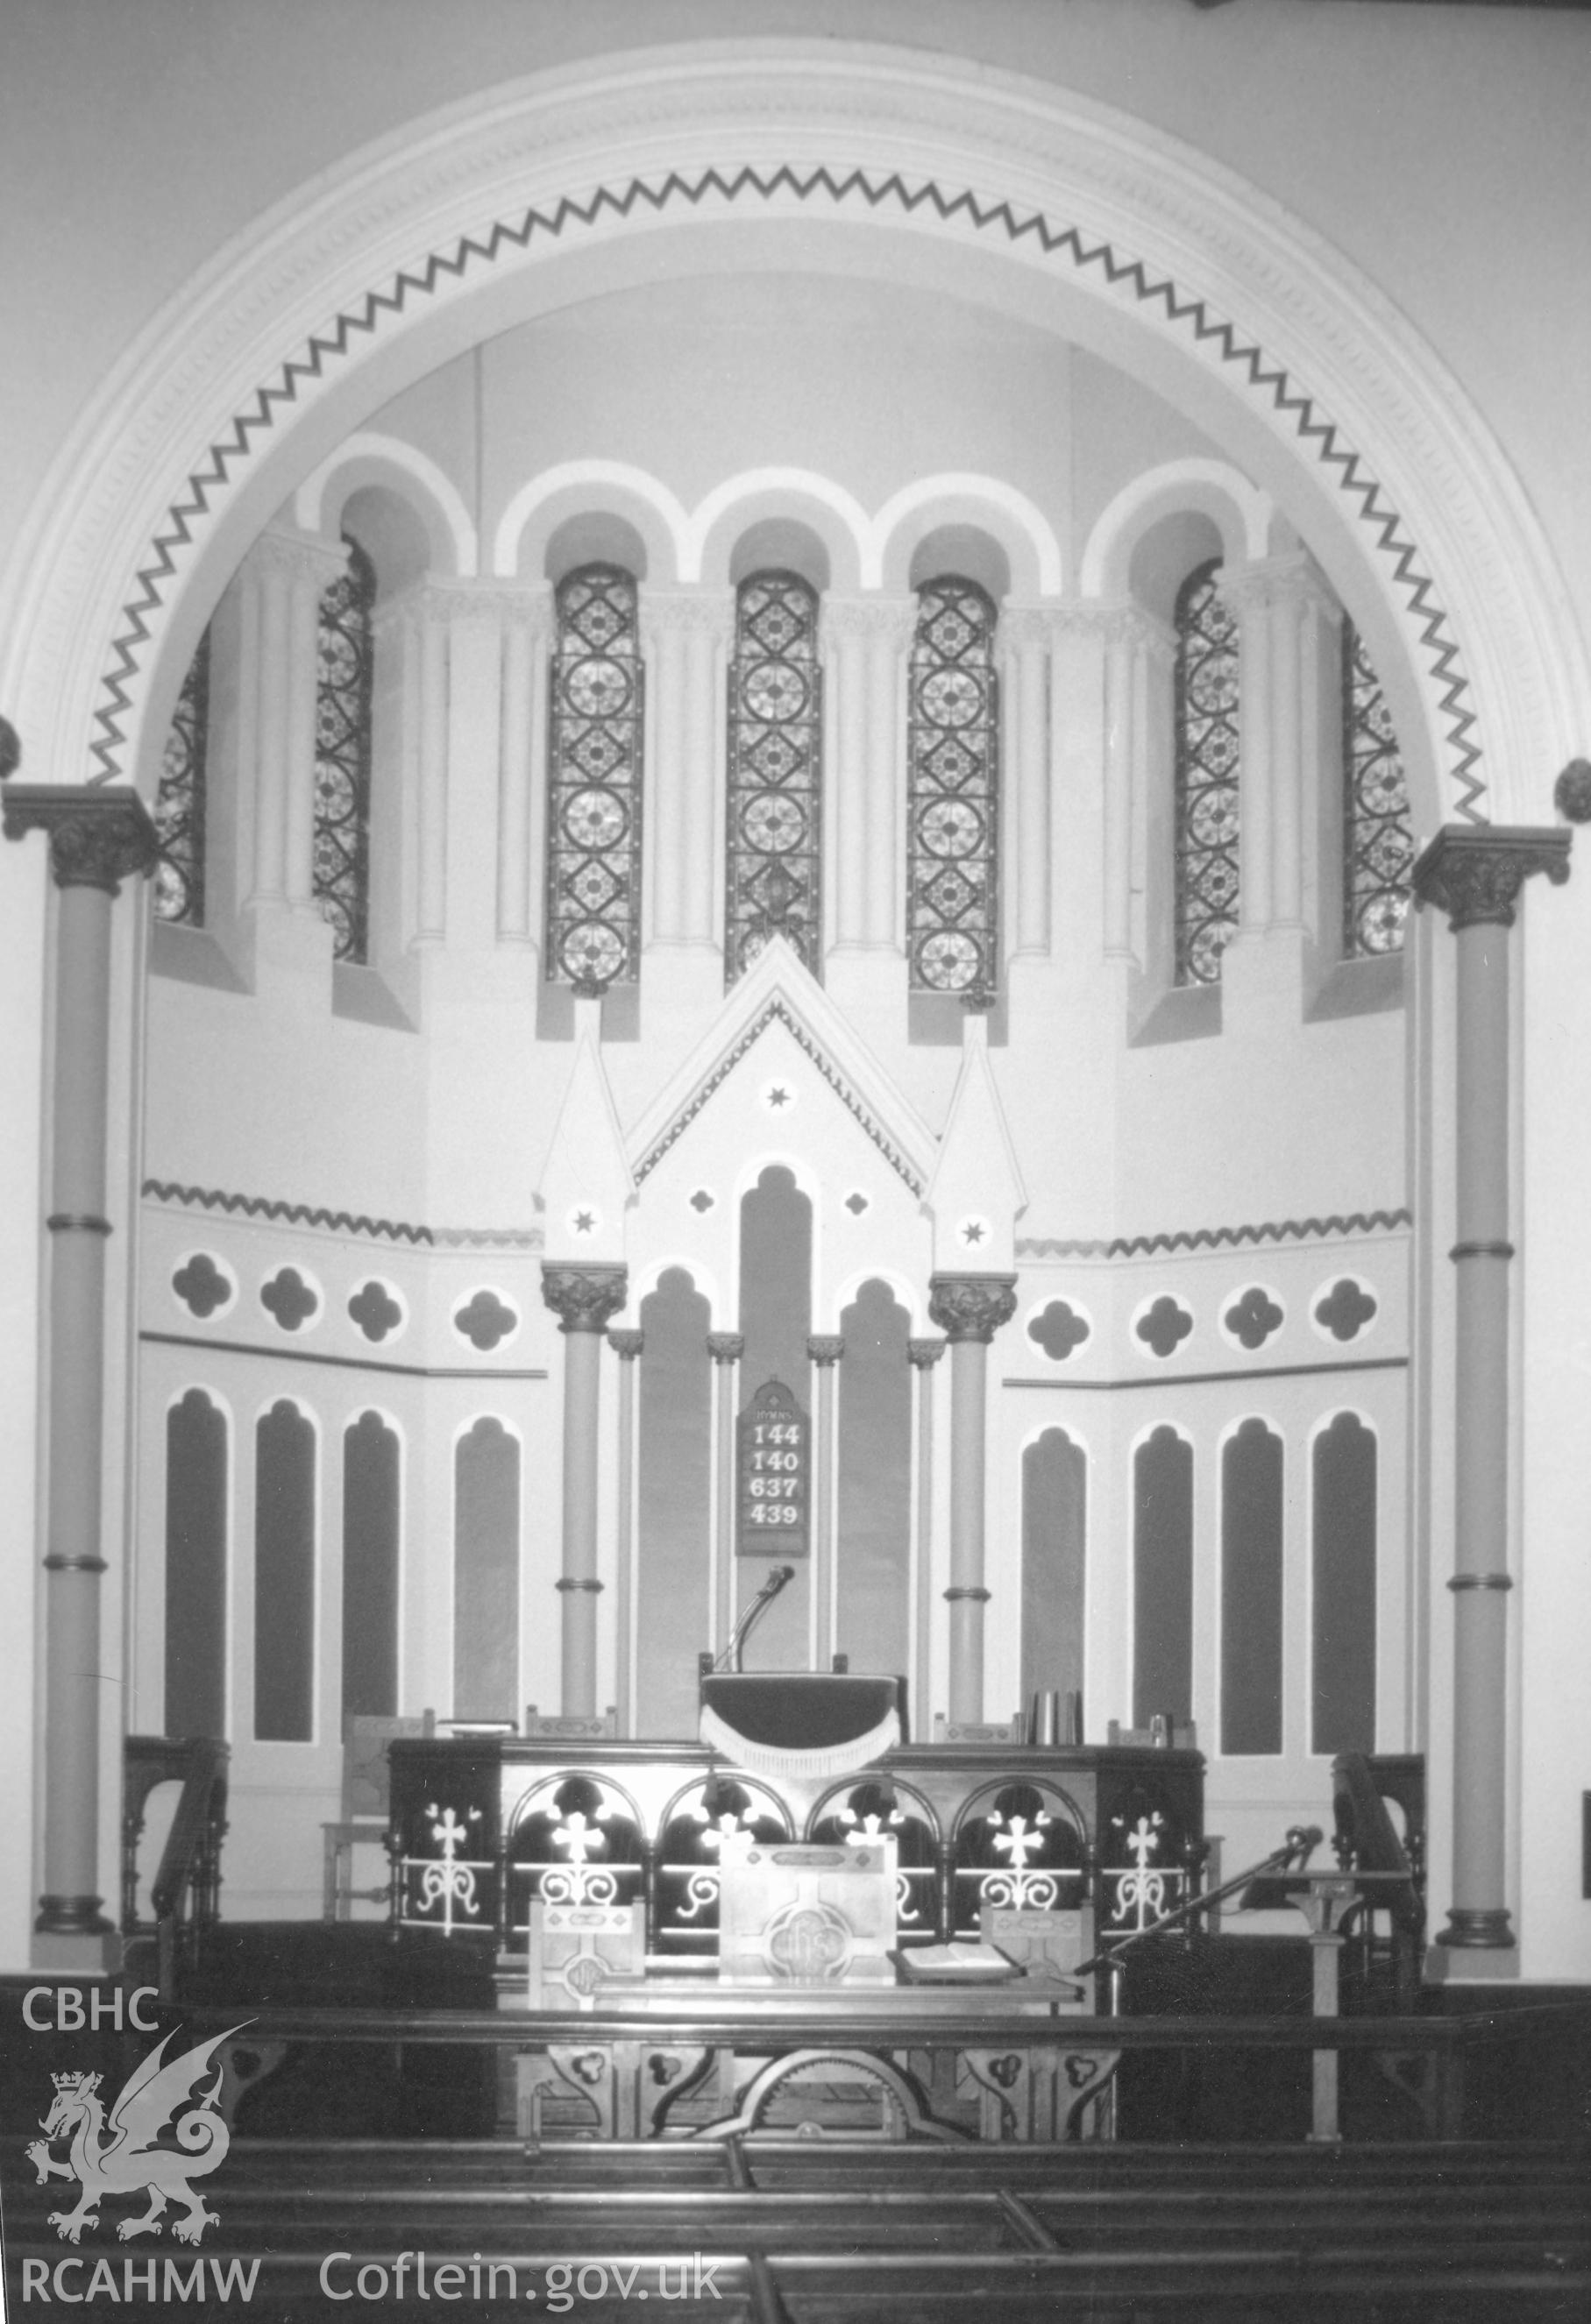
(953, 753)
(345, 668)
(1054, 1558)
(1252, 1518)
(182, 797)
(776, 1244)
(595, 764)
(1378, 832)
(197, 1467)
(486, 1573)
(1163, 1577)
(371, 1520)
(874, 1556)
(674, 1457)
(284, 1575)
(1205, 804)
(1342, 1624)
(774, 818)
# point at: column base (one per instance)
(1475, 1930)
(89, 1945)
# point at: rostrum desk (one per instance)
(481, 1827)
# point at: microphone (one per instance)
(778, 1578)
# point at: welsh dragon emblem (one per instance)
(118, 2155)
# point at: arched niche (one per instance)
(965, 551)
(781, 544)
(594, 537)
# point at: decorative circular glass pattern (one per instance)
(594, 843)
(776, 771)
(953, 745)
(772, 823)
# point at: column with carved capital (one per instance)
(969, 1309)
(98, 839)
(686, 634)
(430, 614)
(923, 1355)
(527, 641)
(1137, 821)
(1290, 702)
(585, 1298)
(1026, 637)
(890, 624)
(846, 666)
(826, 1349)
(285, 573)
(725, 1349)
(627, 1346)
(1474, 874)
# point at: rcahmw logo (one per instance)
(139, 2279)
(119, 2154)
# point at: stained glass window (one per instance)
(594, 805)
(179, 803)
(775, 774)
(1378, 841)
(1207, 772)
(952, 908)
(341, 868)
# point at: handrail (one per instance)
(1301, 1841)
(184, 1894)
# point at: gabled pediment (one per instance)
(778, 990)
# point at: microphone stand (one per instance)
(730, 1655)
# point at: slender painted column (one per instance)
(709, 623)
(923, 1355)
(725, 1349)
(583, 1298)
(98, 839)
(686, 633)
(1026, 634)
(890, 624)
(627, 1346)
(433, 612)
(527, 635)
(969, 1309)
(1122, 639)
(270, 577)
(826, 1349)
(1248, 591)
(845, 637)
(1475, 875)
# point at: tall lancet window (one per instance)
(345, 664)
(952, 898)
(1207, 770)
(179, 803)
(1378, 838)
(775, 859)
(594, 804)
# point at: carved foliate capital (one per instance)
(10, 750)
(97, 838)
(298, 555)
(687, 614)
(925, 1354)
(892, 619)
(1474, 873)
(725, 1347)
(971, 1306)
(825, 1348)
(626, 1345)
(583, 1298)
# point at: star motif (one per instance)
(972, 1231)
(585, 1221)
(777, 1097)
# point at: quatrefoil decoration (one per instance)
(201, 1286)
(1347, 1309)
(1252, 1318)
(375, 1310)
(1165, 1326)
(484, 1320)
(1059, 1330)
(290, 1299)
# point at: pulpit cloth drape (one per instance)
(801, 1723)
